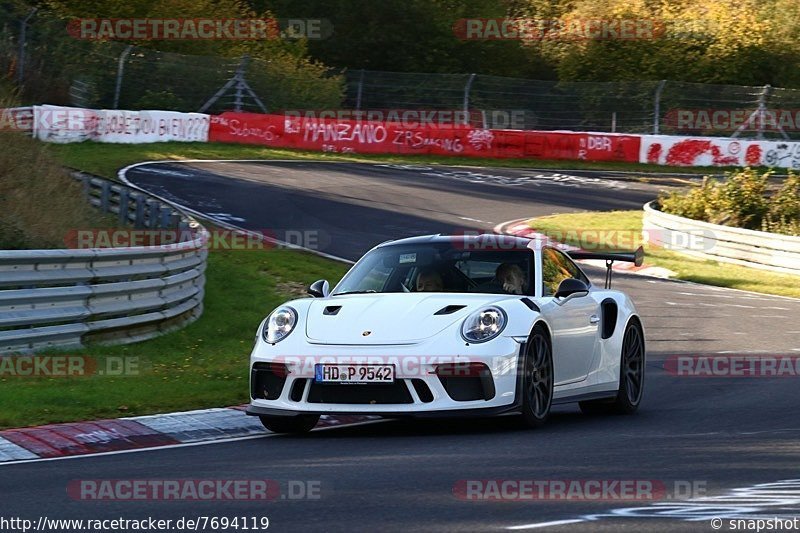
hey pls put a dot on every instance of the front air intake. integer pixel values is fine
(267, 380)
(464, 382)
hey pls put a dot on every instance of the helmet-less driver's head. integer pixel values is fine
(429, 280)
(511, 277)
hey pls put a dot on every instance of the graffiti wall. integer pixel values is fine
(329, 135)
(719, 152)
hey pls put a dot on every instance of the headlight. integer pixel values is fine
(484, 325)
(279, 324)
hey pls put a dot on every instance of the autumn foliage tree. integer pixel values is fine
(744, 42)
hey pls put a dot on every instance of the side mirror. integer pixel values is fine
(571, 286)
(319, 289)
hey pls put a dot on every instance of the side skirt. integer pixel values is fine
(602, 395)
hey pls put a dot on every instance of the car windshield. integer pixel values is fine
(440, 267)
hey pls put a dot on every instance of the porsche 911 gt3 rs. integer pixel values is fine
(451, 326)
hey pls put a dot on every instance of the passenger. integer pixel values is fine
(429, 280)
(511, 277)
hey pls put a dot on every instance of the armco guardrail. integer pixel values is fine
(757, 249)
(72, 297)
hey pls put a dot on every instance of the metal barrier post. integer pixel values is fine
(657, 106)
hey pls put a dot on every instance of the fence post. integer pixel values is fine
(152, 214)
(138, 221)
(762, 110)
(120, 69)
(240, 85)
(359, 90)
(105, 196)
(467, 88)
(123, 206)
(760, 115)
(166, 214)
(237, 98)
(23, 27)
(657, 106)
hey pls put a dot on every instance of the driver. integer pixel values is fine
(511, 277)
(429, 280)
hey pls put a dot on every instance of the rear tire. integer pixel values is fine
(290, 424)
(631, 378)
(537, 379)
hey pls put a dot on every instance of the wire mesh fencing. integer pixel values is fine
(38, 55)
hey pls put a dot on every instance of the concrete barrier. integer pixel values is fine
(756, 249)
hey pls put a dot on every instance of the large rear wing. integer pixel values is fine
(636, 257)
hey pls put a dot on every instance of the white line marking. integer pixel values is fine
(547, 524)
(121, 175)
(476, 220)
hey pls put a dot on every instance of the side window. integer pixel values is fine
(556, 267)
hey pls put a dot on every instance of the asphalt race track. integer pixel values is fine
(713, 434)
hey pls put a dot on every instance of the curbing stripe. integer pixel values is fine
(81, 438)
(57, 441)
(13, 452)
(204, 424)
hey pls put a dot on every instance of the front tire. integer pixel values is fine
(290, 424)
(537, 381)
(631, 376)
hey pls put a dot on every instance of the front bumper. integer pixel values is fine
(284, 385)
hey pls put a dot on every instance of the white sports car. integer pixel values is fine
(450, 326)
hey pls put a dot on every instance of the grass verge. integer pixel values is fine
(25, 197)
(108, 159)
(686, 268)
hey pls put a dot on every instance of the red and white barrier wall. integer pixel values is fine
(331, 135)
(69, 124)
(718, 152)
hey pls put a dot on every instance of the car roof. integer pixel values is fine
(468, 238)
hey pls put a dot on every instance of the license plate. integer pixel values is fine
(353, 374)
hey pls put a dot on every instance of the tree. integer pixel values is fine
(710, 41)
(411, 36)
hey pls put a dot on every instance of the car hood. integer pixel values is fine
(397, 318)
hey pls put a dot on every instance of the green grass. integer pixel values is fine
(686, 268)
(203, 365)
(106, 160)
